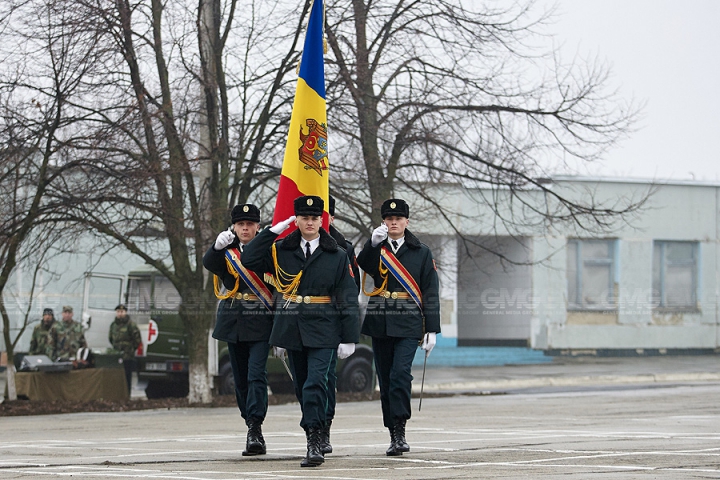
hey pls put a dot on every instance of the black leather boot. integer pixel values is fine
(325, 446)
(255, 444)
(314, 454)
(392, 451)
(400, 442)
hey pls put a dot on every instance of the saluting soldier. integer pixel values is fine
(65, 337)
(124, 336)
(244, 320)
(346, 245)
(39, 340)
(316, 308)
(403, 311)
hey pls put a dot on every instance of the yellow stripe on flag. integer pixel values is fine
(306, 160)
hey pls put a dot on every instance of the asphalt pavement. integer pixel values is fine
(659, 419)
(627, 418)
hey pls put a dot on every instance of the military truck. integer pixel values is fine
(153, 303)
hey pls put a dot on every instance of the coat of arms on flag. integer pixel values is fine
(313, 152)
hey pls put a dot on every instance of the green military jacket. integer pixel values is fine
(124, 337)
(238, 320)
(326, 273)
(64, 339)
(388, 317)
(40, 339)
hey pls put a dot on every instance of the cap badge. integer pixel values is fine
(246, 209)
(392, 205)
(309, 201)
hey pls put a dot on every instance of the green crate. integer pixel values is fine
(108, 360)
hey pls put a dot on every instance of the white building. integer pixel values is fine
(650, 284)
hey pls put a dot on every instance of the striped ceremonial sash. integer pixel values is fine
(251, 278)
(401, 274)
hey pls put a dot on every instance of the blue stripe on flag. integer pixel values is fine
(312, 65)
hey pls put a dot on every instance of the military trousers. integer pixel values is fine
(249, 366)
(310, 367)
(393, 362)
(130, 366)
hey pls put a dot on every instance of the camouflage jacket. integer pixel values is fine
(64, 339)
(124, 337)
(40, 339)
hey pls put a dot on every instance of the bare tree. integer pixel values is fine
(424, 92)
(45, 55)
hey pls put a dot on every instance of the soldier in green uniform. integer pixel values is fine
(403, 311)
(244, 320)
(124, 337)
(39, 341)
(65, 337)
(316, 308)
(346, 245)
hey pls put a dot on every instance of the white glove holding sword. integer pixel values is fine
(428, 342)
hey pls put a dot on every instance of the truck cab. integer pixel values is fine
(153, 304)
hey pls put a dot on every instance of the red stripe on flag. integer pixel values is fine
(284, 208)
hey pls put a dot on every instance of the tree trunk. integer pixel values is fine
(200, 384)
(9, 346)
(11, 387)
(197, 313)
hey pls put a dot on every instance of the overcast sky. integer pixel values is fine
(666, 52)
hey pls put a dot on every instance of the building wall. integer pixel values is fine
(680, 212)
(494, 291)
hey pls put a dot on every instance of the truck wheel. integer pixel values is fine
(227, 381)
(356, 376)
(160, 389)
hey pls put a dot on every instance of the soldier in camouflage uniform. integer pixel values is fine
(65, 337)
(124, 337)
(39, 341)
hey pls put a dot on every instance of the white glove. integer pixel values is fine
(345, 350)
(224, 239)
(379, 234)
(428, 342)
(280, 227)
(278, 352)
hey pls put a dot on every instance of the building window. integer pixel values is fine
(675, 275)
(591, 274)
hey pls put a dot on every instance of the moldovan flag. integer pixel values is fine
(305, 165)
